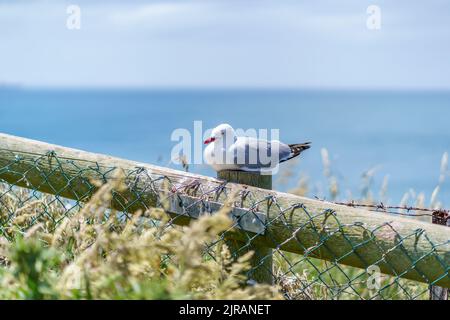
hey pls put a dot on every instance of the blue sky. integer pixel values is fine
(277, 44)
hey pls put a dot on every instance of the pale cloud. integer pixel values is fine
(154, 12)
(246, 22)
(225, 43)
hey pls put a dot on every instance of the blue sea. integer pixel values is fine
(402, 135)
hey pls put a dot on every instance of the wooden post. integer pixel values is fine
(439, 293)
(262, 260)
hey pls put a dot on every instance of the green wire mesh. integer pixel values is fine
(54, 192)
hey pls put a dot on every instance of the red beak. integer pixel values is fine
(209, 140)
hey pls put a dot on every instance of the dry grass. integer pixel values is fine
(96, 255)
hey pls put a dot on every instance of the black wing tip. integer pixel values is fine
(297, 149)
(300, 146)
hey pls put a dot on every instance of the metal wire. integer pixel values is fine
(299, 276)
(411, 211)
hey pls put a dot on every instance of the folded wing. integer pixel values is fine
(252, 154)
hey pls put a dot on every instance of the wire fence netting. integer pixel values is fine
(316, 257)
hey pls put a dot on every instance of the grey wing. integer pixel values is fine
(253, 154)
(285, 151)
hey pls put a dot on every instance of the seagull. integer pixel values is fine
(226, 151)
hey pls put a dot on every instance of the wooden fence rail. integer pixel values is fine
(398, 245)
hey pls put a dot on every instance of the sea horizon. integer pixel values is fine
(362, 129)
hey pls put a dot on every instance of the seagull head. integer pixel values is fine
(222, 133)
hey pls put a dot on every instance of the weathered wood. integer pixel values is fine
(439, 293)
(247, 178)
(350, 236)
(262, 259)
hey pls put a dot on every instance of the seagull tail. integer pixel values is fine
(297, 149)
